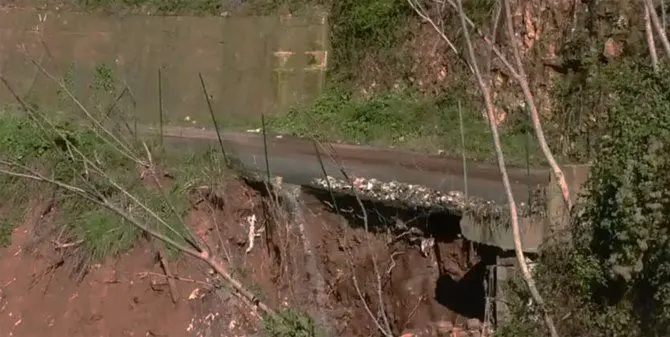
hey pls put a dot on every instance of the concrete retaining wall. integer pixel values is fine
(252, 65)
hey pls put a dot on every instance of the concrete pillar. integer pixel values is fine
(557, 216)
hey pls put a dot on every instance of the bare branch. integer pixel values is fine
(657, 24)
(203, 255)
(424, 15)
(94, 196)
(650, 38)
(386, 328)
(117, 144)
(534, 115)
(520, 76)
(514, 218)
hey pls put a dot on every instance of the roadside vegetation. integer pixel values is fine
(25, 143)
(106, 190)
(610, 279)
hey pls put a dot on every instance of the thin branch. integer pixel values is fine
(89, 163)
(535, 117)
(423, 14)
(519, 76)
(494, 36)
(657, 24)
(514, 217)
(649, 33)
(203, 255)
(154, 175)
(96, 197)
(386, 330)
(216, 125)
(168, 274)
(117, 144)
(104, 202)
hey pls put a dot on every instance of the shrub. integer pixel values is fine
(614, 278)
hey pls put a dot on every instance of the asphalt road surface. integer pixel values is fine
(295, 160)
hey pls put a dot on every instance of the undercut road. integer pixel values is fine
(295, 160)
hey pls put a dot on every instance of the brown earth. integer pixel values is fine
(308, 264)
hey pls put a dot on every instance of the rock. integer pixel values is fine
(459, 332)
(444, 328)
(473, 324)
(612, 49)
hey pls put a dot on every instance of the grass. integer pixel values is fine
(101, 232)
(408, 121)
(291, 323)
(104, 233)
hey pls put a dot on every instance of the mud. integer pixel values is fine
(304, 256)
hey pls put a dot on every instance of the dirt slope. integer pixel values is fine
(307, 263)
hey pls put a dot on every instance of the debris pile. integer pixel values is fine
(418, 196)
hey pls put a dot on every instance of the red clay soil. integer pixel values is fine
(128, 295)
(123, 296)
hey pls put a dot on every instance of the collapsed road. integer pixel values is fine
(419, 181)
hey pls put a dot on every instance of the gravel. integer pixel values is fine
(418, 196)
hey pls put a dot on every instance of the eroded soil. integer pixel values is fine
(315, 263)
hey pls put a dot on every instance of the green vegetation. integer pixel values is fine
(62, 153)
(102, 232)
(367, 28)
(290, 323)
(613, 279)
(64, 150)
(409, 121)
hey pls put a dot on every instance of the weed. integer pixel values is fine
(613, 279)
(18, 140)
(361, 28)
(6, 228)
(290, 323)
(405, 120)
(102, 232)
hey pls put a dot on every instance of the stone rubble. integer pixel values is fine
(418, 196)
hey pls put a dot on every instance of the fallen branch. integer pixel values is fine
(59, 245)
(170, 279)
(144, 274)
(91, 194)
(212, 261)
